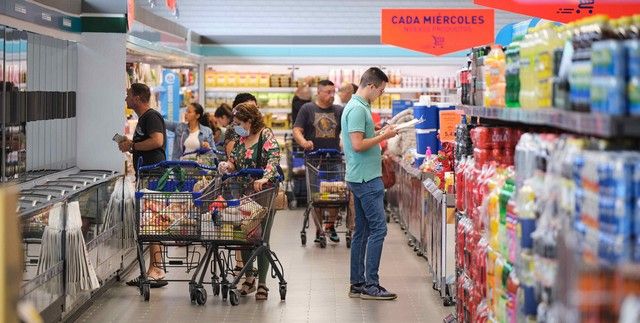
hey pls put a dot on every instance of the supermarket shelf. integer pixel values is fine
(389, 90)
(253, 89)
(594, 124)
(396, 90)
(275, 110)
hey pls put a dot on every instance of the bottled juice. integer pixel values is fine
(494, 71)
(544, 65)
(512, 75)
(527, 97)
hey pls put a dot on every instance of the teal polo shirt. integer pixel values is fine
(361, 166)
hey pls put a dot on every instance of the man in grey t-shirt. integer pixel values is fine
(317, 126)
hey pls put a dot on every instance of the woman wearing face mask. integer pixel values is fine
(192, 134)
(248, 124)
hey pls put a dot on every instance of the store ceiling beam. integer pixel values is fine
(292, 40)
(299, 17)
(104, 6)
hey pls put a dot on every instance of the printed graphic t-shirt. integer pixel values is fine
(321, 126)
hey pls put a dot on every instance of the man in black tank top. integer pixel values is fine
(148, 148)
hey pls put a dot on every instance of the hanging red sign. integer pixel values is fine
(565, 10)
(437, 31)
(172, 5)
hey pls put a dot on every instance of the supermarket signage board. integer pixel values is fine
(437, 31)
(449, 120)
(565, 10)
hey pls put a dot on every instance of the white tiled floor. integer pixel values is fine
(318, 281)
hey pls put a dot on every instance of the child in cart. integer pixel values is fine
(317, 126)
(256, 147)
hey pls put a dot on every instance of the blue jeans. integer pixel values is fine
(369, 233)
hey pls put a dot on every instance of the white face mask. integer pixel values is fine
(242, 132)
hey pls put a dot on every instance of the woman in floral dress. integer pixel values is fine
(248, 124)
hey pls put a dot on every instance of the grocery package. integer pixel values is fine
(331, 191)
(173, 218)
(231, 219)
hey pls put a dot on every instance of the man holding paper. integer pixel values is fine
(364, 176)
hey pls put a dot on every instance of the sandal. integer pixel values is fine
(153, 282)
(248, 288)
(263, 293)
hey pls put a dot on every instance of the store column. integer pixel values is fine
(101, 84)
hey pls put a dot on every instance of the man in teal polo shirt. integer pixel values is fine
(364, 176)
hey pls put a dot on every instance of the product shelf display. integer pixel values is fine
(274, 86)
(38, 88)
(590, 65)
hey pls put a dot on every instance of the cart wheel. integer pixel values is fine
(283, 292)
(303, 238)
(233, 297)
(146, 291)
(323, 242)
(192, 294)
(348, 242)
(201, 296)
(216, 288)
(225, 292)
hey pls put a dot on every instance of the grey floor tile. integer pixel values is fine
(318, 283)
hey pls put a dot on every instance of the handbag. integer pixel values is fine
(388, 173)
(281, 202)
(259, 157)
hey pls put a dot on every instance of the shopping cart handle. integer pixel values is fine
(202, 151)
(175, 163)
(330, 152)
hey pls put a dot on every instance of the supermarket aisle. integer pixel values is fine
(318, 283)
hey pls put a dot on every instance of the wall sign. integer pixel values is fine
(437, 31)
(565, 10)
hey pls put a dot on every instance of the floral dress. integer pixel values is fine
(247, 157)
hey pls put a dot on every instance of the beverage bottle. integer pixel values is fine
(494, 73)
(544, 65)
(512, 75)
(526, 73)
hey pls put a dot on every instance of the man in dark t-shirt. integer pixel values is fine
(318, 127)
(148, 143)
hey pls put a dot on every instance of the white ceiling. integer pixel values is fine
(297, 17)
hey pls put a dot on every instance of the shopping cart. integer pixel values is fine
(327, 190)
(295, 185)
(232, 217)
(167, 212)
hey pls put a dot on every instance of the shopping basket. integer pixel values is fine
(326, 189)
(232, 216)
